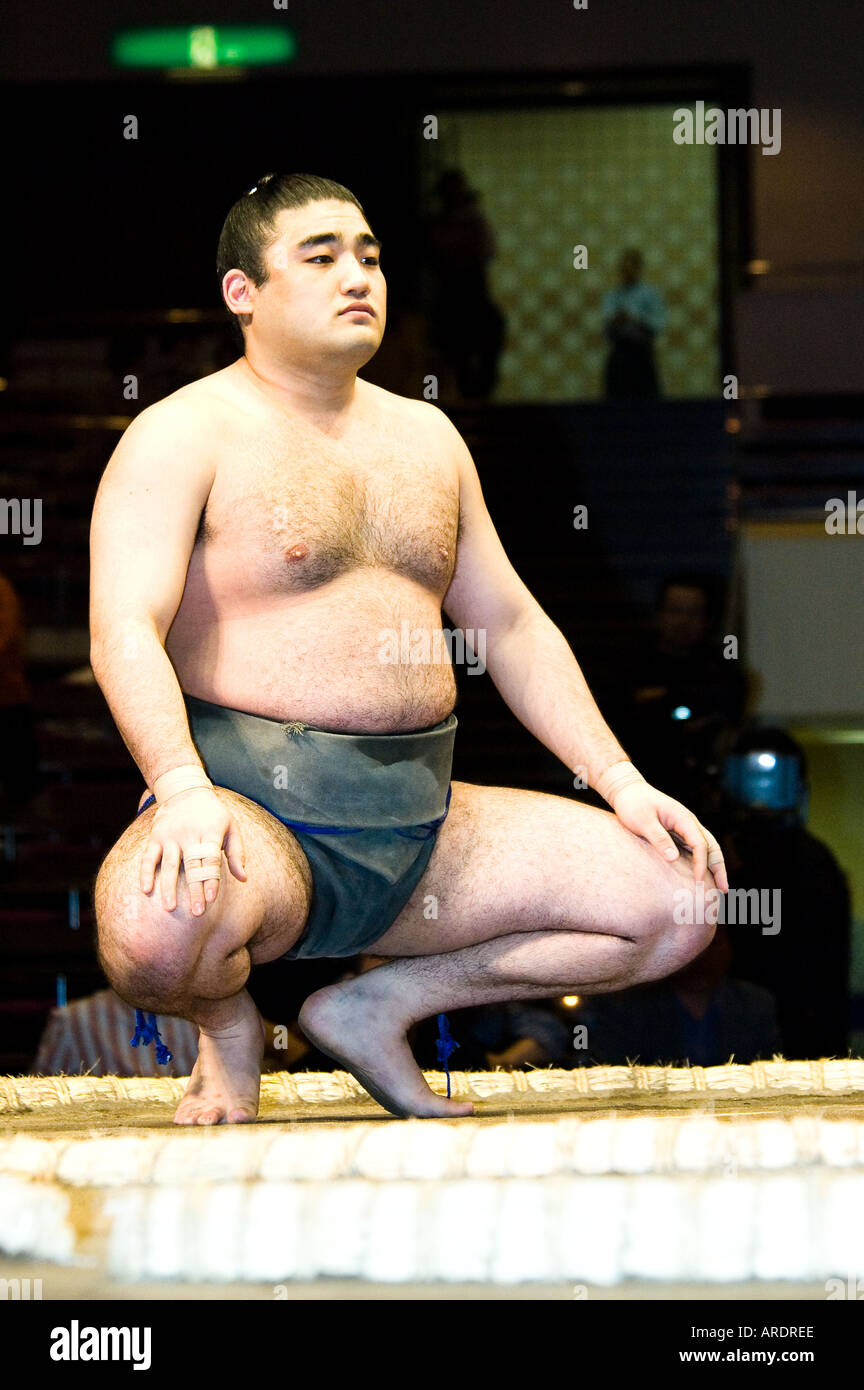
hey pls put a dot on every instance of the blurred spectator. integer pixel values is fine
(698, 1017)
(19, 759)
(768, 847)
(91, 1036)
(511, 1036)
(466, 325)
(633, 315)
(685, 700)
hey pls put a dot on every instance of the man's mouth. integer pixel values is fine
(359, 309)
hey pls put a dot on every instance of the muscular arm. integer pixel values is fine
(143, 530)
(538, 676)
(527, 656)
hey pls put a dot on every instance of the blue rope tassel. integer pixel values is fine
(146, 1027)
(147, 1031)
(445, 1045)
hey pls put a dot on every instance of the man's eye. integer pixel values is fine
(370, 260)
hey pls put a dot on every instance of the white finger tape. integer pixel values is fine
(205, 850)
(202, 872)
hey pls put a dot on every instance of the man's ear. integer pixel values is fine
(238, 292)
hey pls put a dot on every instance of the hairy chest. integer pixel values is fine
(295, 515)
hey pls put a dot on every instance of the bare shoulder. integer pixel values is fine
(194, 404)
(173, 440)
(189, 421)
(413, 414)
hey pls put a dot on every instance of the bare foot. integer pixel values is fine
(350, 1022)
(225, 1081)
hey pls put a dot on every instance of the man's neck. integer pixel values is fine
(318, 394)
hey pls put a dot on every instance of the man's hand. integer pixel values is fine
(657, 817)
(188, 820)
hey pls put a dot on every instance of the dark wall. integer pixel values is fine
(808, 223)
(133, 223)
(803, 57)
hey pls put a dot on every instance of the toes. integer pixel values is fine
(240, 1117)
(210, 1117)
(216, 1115)
(451, 1110)
(184, 1116)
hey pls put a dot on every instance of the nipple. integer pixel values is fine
(297, 552)
(444, 552)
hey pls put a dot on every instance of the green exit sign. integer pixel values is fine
(204, 46)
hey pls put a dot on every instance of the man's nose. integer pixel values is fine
(356, 276)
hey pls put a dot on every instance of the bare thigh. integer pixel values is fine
(508, 860)
(265, 915)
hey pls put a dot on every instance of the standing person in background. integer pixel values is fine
(467, 327)
(633, 315)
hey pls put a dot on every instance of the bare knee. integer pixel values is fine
(133, 945)
(154, 958)
(168, 955)
(680, 919)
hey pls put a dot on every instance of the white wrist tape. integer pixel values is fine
(180, 779)
(616, 778)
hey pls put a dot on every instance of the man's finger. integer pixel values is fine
(235, 852)
(196, 890)
(194, 871)
(716, 862)
(150, 858)
(656, 834)
(202, 865)
(168, 872)
(690, 831)
(211, 888)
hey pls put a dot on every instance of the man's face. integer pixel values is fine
(323, 263)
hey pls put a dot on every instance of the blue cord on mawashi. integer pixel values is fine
(147, 1031)
(445, 1045)
(146, 1027)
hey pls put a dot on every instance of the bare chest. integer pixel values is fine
(291, 513)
